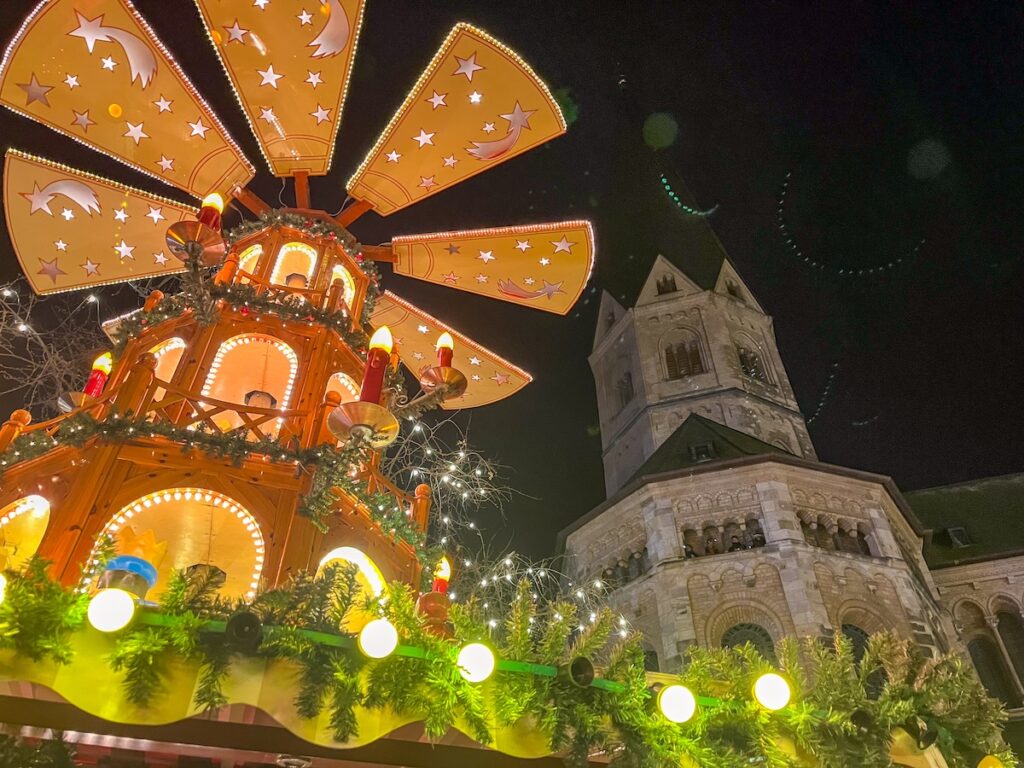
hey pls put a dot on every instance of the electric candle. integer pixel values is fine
(377, 358)
(210, 213)
(442, 575)
(445, 350)
(98, 377)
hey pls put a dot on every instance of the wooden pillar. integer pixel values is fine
(132, 395)
(13, 427)
(420, 507)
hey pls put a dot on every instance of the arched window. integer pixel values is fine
(810, 533)
(1011, 632)
(993, 673)
(22, 525)
(751, 365)
(683, 356)
(192, 526)
(168, 354)
(344, 385)
(666, 284)
(651, 663)
(858, 640)
(733, 290)
(294, 258)
(342, 275)
(755, 634)
(248, 261)
(624, 390)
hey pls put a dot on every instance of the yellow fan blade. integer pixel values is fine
(476, 105)
(290, 67)
(544, 266)
(73, 230)
(491, 377)
(96, 72)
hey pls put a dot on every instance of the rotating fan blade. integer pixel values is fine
(491, 378)
(290, 71)
(96, 72)
(544, 266)
(73, 230)
(476, 105)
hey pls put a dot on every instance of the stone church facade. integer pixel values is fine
(722, 526)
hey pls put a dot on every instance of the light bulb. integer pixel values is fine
(378, 639)
(677, 703)
(111, 610)
(772, 691)
(3, 587)
(476, 662)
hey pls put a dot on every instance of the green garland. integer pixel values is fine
(842, 715)
(49, 753)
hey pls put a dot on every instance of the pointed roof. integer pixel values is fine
(608, 314)
(662, 268)
(694, 247)
(725, 443)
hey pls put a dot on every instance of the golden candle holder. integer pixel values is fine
(370, 422)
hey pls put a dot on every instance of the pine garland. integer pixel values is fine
(37, 614)
(49, 753)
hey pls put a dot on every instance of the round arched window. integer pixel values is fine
(755, 634)
(858, 640)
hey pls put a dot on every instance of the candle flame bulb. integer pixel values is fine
(445, 349)
(382, 339)
(101, 368)
(210, 213)
(442, 575)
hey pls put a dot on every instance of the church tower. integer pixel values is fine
(696, 342)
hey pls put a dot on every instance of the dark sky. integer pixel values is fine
(836, 94)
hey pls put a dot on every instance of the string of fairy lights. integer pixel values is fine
(674, 197)
(844, 271)
(825, 393)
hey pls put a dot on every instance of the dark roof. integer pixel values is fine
(990, 510)
(726, 443)
(691, 244)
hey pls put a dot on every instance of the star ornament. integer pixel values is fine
(36, 91)
(50, 269)
(467, 67)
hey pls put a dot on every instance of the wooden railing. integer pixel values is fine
(330, 299)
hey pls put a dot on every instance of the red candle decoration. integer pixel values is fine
(98, 377)
(377, 358)
(445, 350)
(210, 213)
(442, 575)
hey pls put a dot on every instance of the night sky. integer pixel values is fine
(896, 122)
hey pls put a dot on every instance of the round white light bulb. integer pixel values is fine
(677, 703)
(476, 662)
(378, 639)
(772, 691)
(111, 610)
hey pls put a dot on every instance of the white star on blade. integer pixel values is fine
(518, 118)
(267, 114)
(159, 258)
(563, 245)
(124, 251)
(476, 377)
(108, 63)
(474, 360)
(529, 281)
(424, 138)
(418, 355)
(156, 214)
(488, 128)
(467, 67)
(545, 262)
(167, 163)
(163, 105)
(393, 156)
(522, 245)
(305, 17)
(422, 328)
(438, 99)
(198, 129)
(135, 133)
(236, 33)
(314, 79)
(427, 182)
(270, 77)
(481, 278)
(486, 256)
(261, 4)
(322, 115)
(450, 161)
(474, 97)
(82, 120)
(40, 200)
(61, 245)
(90, 267)
(121, 215)
(68, 214)
(72, 81)
(90, 30)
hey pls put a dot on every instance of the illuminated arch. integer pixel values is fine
(294, 257)
(344, 385)
(249, 260)
(22, 525)
(168, 354)
(199, 526)
(368, 578)
(252, 361)
(340, 273)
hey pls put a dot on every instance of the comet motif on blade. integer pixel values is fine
(509, 288)
(335, 35)
(140, 58)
